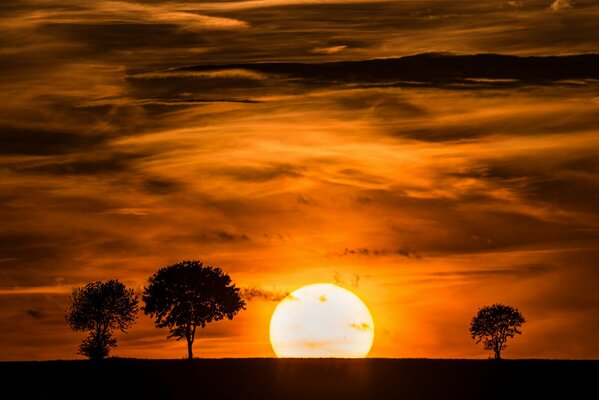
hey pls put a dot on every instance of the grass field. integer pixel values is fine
(300, 379)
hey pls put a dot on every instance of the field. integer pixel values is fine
(299, 379)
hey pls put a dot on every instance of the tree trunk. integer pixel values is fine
(498, 354)
(189, 349)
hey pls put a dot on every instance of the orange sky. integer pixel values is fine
(427, 201)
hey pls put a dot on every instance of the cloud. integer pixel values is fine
(162, 186)
(306, 200)
(407, 251)
(262, 173)
(354, 281)
(140, 212)
(23, 246)
(110, 150)
(362, 326)
(131, 12)
(559, 181)
(258, 293)
(437, 68)
(329, 50)
(230, 237)
(223, 74)
(363, 251)
(518, 271)
(252, 4)
(82, 165)
(559, 5)
(517, 4)
(35, 314)
(212, 237)
(187, 102)
(39, 141)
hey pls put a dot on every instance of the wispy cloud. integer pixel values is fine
(259, 293)
(442, 189)
(216, 74)
(128, 12)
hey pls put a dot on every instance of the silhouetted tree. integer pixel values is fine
(100, 308)
(494, 325)
(187, 295)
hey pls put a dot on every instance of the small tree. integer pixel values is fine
(187, 295)
(493, 325)
(100, 308)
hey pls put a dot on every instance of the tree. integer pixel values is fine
(100, 308)
(494, 325)
(186, 295)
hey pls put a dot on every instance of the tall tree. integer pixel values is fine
(186, 295)
(100, 308)
(494, 325)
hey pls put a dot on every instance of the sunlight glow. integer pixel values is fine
(321, 320)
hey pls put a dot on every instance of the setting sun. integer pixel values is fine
(321, 320)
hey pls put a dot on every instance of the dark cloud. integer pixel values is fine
(409, 252)
(102, 38)
(27, 248)
(34, 141)
(360, 176)
(567, 182)
(224, 237)
(161, 186)
(261, 174)
(258, 293)
(405, 251)
(457, 226)
(306, 200)
(432, 67)
(35, 314)
(363, 251)
(89, 165)
(28, 253)
(230, 237)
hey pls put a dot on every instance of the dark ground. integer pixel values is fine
(300, 379)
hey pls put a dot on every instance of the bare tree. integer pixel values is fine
(494, 325)
(186, 295)
(101, 308)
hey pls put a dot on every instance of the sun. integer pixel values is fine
(321, 320)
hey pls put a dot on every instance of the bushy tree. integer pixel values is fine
(186, 295)
(494, 325)
(100, 308)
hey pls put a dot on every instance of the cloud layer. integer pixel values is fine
(427, 199)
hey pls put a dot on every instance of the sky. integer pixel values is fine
(428, 201)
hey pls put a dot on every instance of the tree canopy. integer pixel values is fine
(186, 295)
(100, 308)
(494, 325)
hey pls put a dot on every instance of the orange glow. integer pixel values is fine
(426, 198)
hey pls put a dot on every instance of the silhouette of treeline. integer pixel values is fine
(430, 67)
(188, 295)
(180, 297)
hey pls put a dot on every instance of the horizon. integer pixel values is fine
(136, 134)
(299, 359)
